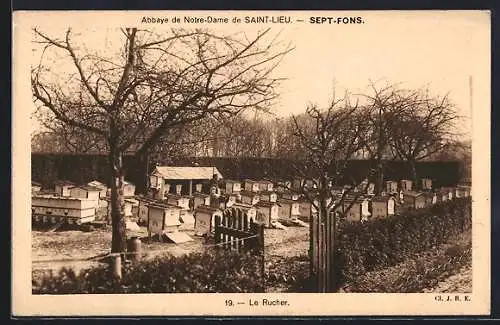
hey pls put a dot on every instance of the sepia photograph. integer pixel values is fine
(280, 162)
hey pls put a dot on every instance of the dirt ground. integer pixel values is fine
(60, 246)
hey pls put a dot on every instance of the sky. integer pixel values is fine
(439, 50)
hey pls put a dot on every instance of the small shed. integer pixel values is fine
(283, 186)
(85, 192)
(101, 186)
(370, 189)
(414, 200)
(35, 187)
(130, 206)
(426, 184)
(247, 209)
(248, 197)
(288, 209)
(265, 185)
(267, 213)
(268, 196)
(406, 185)
(204, 217)
(185, 176)
(143, 206)
(163, 218)
(231, 199)
(232, 186)
(178, 200)
(450, 192)
(430, 198)
(391, 187)
(352, 209)
(297, 183)
(251, 185)
(200, 199)
(305, 208)
(290, 196)
(50, 208)
(382, 206)
(62, 187)
(128, 189)
(465, 190)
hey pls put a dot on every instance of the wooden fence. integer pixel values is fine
(235, 231)
(323, 253)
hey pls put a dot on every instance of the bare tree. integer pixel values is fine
(329, 138)
(384, 106)
(425, 126)
(155, 82)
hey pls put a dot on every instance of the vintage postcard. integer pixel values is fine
(235, 163)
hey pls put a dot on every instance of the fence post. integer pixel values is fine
(116, 264)
(217, 229)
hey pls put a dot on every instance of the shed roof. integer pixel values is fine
(412, 193)
(164, 206)
(33, 183)
(88, 188)
(241, 205)
(178, 173)
(285, 201)
(267, 204)
(249, 193)
(98, 184)
(206, 208)
(382, 198)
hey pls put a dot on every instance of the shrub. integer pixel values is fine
(365, 247)
(414, 275)
(207, 272)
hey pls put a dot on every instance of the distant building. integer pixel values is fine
(465, 190)
(288, 209)
(268, 196)
(163, 218)
(251, 185)
(128, 189)
(50, 208)
(391, 187)
(101, 186)
(35, 187)
(426, 184)
(265, 186)
(246, 209)
(414, 200)
(85, 192)
(205, 220)
(290, 196)
(184, 176)
(352, 209)
(143, 207)
(250, 198)
(382, 206)
(62, 187)
(232, 186)
(283, 186)
(406, 185)
(178, 200)
(267, 213)
(200, 199)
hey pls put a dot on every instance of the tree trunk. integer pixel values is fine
(414, 178)
(142, 181)
(379, 183)
(118, 241)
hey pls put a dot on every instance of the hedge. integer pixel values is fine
(208, 272)
(381, 243)
(422, 272)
